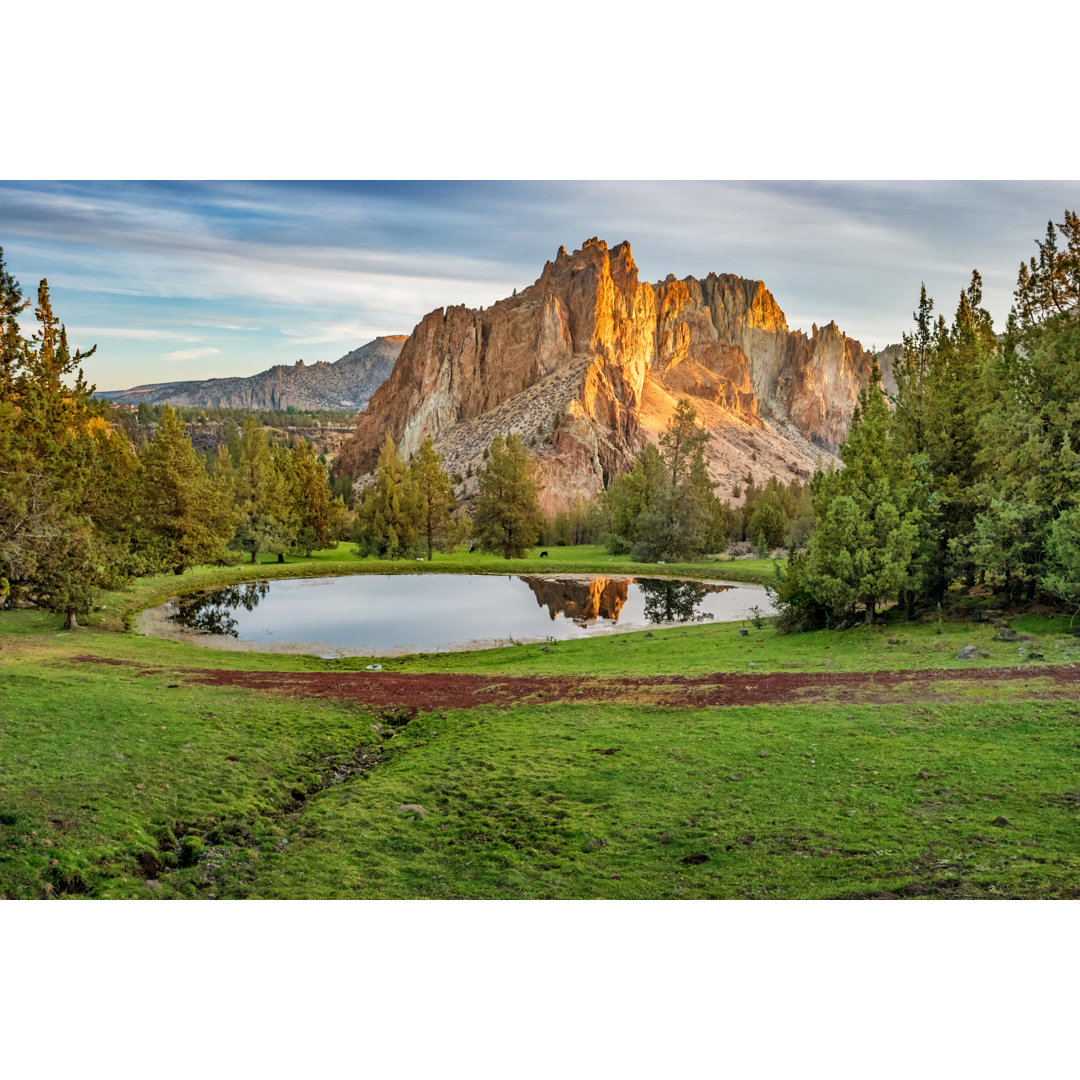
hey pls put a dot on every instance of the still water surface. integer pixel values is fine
(376, 613)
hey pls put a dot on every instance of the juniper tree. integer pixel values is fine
(186, 515)
(1030, 429)
(387, 518)
(311, 497)
(261, 494)
(867, 522)
(507, 517)
(435, 498)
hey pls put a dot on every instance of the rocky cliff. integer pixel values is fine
(589, 362)
(347, 383)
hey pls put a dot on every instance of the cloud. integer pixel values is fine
(131, 333)
(190, 354)
(335, 264)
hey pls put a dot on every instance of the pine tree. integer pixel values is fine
(65, 476)
(507, 517)
(678, 526)
(682, 442)
(388, 517)
(311, 496)
(632, 494)
(188, 518)
(867, 529)
(261, 494)
(941, 393)
(1030, 425)
(290, 511)
(436, 497)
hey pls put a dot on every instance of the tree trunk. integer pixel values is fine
(870, 612)
(281, 556)
(69, 621)
(254, 556)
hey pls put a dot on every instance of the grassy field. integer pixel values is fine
(125, 778)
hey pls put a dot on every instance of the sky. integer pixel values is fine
(191, 280)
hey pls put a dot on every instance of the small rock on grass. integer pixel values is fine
(412, 808)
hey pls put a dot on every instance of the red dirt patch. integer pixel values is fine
(457, 691)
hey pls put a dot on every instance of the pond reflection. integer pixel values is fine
(586, 600)
(677, 601)
(211, 612)
(582, 601)
(375, 613)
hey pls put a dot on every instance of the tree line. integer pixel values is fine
(970, 475)
(410, 509)
(82, 509)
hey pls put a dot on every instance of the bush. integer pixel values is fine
(796, 608)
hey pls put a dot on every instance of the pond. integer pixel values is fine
(387, 614)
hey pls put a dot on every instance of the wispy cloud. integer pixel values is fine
(328, 266)
(128, 333)
(190, 354)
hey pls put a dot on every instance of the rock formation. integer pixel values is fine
(588, 363)
(582, 600)
(347, 383)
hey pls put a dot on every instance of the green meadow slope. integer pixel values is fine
(125, 771)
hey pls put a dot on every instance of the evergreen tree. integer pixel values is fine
(868, 523)
(187, 516)
(65, 476)
(1030, 426)
(632, 494)
(435, 491)
(678, 526)
(289, 513)
(940, 396)
(311, 495)
(507, 517)
(388, 517)
(261, 495)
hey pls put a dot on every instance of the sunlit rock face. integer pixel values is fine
(588, 363)
(582, 601)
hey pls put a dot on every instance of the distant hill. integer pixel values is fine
(347, 383)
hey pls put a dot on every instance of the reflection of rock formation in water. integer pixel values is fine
(582, 601)
(676, 601)
(209, 612)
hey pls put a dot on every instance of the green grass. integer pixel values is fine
(739, 803)
(107, 770)
(113, 775)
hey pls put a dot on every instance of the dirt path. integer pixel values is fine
(443, 691)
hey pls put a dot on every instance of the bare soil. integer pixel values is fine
(382, 689)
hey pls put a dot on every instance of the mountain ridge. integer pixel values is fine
(347, 383)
